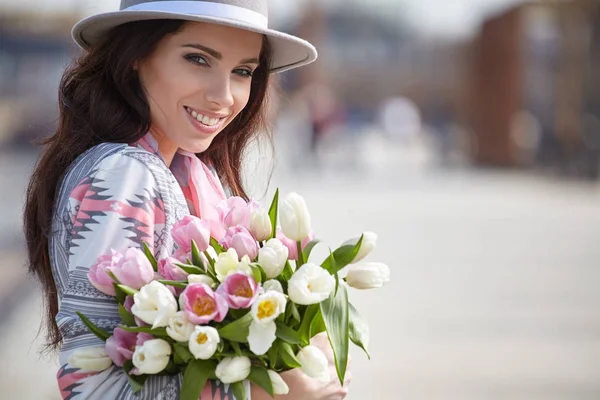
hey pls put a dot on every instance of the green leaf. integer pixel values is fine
(273, 213)
(359, 330)
(292, 313)
(191, 269)
(196, 259)
(257, 272)
(126, 316)
(216, 245)
(195, 377)
(260, 377)
(309, 247)
(183, 352)
(150, 256)
(273, 353)
(335, 315)
(210, 268)
(344, 255)
(317, 325)
(329, 264)
(237, 330)
(101, 333)
(305, 331)
(119, 294)
(137, 382)
(287, 334)
(239, 391)
(177, 284)
(288, 357)
(287, 271)
(128, 290)
(337, 283)
(158, 332)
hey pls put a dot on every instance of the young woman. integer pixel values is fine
(154, 115)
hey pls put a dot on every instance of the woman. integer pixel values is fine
(153, 116)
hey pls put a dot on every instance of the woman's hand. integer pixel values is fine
(303, 387)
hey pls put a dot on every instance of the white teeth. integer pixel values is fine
(203, 118)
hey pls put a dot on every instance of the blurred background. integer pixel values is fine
(466, 133)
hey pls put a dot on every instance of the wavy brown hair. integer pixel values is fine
(102, 100)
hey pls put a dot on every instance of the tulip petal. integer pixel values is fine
(261, 337)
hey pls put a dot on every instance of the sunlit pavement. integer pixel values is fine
(494, 293)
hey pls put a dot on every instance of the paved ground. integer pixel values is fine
(494, 293)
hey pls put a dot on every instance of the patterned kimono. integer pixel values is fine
(112, 197)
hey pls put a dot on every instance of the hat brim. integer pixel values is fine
(288, 51)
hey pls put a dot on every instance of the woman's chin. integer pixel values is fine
(199, 146)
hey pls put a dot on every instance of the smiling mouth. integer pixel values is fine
(204, 119)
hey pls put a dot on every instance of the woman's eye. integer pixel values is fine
(246, 73)
(196, 59)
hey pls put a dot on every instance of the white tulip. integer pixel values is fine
(310, 284)
(272, 257)
(294, 216)
(368, 275)
(90, 359)
(279, 385)
(265, 309)
(152, 356)
(268, 306)
(226, 264)
(273, 284)
(180, 328)
(233, 369)
(366, 246)
(260, 225)
(204, 341)
(314, 363)
(201, 278)
(154, 304)
(244, 266)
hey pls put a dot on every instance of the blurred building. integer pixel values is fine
(367, 59)
(534, 87)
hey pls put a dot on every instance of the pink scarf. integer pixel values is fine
(201, 188)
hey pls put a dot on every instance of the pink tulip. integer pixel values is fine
(239, 289)
(169, 271)
(291, 244)
(98, 272)
(241, 240)
(135, 270)
(120, 346)
(191, 228)
(202, 305)
(235, 211)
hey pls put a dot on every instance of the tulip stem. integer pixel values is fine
(300, 253)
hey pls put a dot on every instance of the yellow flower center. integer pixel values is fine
(243, 290)
(204, 306)
(202, 338)
(266, 308)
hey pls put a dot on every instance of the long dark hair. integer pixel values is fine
(102, 100)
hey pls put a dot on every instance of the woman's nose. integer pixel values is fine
(219, 93)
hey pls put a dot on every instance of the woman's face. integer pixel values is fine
(197, 81)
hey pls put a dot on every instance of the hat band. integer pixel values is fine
(205, 8)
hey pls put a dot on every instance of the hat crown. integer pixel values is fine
(259, 6)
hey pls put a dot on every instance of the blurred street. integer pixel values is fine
(494, 292)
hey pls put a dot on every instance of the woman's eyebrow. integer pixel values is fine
(218, 55)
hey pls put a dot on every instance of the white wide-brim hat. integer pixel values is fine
(251, 15)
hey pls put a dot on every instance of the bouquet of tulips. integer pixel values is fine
(239, 300)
